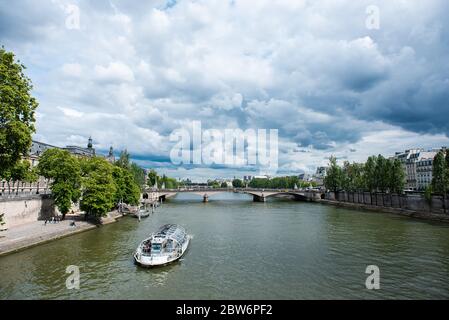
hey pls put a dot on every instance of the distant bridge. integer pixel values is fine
(259, 195)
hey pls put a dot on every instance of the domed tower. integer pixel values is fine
(90, 148)
(111, 157)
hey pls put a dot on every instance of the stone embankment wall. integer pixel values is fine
(22, 209)
(413, 202)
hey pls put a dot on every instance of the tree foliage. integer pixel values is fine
(353, 176)
(237, 183)
(213, 183)
(164, 181)
(370, 174)
(21, 171)
(287, 182)
(377, 174)
(99, 189)
(334, 176)
(127, 191)
(152, 177)
(382, 173)
(124, 160)
(440, 173)
(169, 183)
(396, 177)
(138, 175)
(64, 172)
(17, 108)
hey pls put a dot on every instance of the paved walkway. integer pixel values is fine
(30, 234)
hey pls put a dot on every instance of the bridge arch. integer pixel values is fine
(261, 196)
(297, 196)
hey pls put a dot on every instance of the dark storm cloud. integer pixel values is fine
(22, 21)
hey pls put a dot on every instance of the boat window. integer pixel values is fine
(156, 247)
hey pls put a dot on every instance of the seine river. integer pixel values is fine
(281, 249)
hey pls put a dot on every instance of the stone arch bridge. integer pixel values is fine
(259, 195)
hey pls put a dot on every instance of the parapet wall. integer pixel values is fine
(21, 210)
(413, 202)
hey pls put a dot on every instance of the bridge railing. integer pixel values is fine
(236, 190)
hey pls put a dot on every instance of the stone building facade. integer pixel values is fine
(417, 165)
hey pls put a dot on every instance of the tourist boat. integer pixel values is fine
(166, 245)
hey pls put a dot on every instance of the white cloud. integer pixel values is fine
(72, 70)
(114, 72)
(71, 113)
(135, 72)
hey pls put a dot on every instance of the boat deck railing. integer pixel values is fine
(162, 254)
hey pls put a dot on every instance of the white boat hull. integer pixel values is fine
(141, 215)
(159, 260)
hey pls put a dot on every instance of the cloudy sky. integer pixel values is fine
(320, 72)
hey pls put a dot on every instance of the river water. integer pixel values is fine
(281, 249)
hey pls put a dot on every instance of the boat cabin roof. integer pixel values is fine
(170, 231)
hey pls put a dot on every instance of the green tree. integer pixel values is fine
(447, 158)
(346, 178)
(64, 172)
(21, 171)
(152, 178)
(334, 176)
(258, 183)
(428, 196)
(370, 174)
(224, 185)
(447, 169)
(353, 176)
(17, 108)
(358, 176)
(99, 189)
(396, 181)
(213, 183)
(170, 183)
(127, 190)
(382, 173)
(124, 160)
(138, 174)
(237, 183)
(440, 176)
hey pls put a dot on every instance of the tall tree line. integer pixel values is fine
(17, 118)
(377, 174)
(440, 175)
(98, 185)
(162, 181)
(287, 182)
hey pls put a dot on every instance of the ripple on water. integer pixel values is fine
(243, 250)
